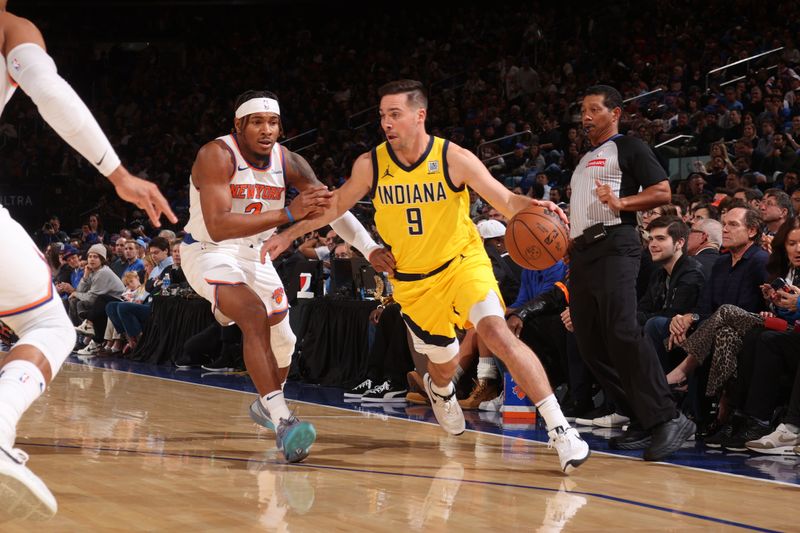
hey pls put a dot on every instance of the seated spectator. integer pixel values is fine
(704, 242)
(119, 263)
(674, 287)
(134, 293)
(752, 197)
(98, 286)
(132, 261)
(725, 330)
(704, 210)
(776, 208)
(159, 251)
(506, 271)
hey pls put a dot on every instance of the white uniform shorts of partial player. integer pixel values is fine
(208, 265)
(29, 303)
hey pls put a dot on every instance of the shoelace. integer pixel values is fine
(382, 387)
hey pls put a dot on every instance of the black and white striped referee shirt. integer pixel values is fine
(624, 162)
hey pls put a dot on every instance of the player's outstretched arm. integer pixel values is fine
(466, 168)
(344, 198)
(300, 174)
(62, 108)
(211, 175)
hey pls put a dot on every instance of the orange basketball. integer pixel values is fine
(536, 238)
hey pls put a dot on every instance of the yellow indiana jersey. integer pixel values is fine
(419, 213)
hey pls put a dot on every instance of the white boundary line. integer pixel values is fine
(364, 413)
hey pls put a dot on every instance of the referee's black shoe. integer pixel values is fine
(634, 438)
(668, 437)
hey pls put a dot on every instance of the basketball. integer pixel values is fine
(536, 238)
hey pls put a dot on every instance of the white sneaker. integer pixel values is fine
(22, 494)
(91, 349)
(614, 420)
(446, 409)
(781, 441)
(85, 328)
(492, 405)
(572, 449)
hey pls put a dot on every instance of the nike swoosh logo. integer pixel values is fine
(273, 396)
(240, 168)
(101, 159)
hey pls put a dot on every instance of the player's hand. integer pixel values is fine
(606, 195)
(567, 320)
(143, 194)
(515, 325)
(311, 202)
(274, 246)
(382, 260)
(554, 208)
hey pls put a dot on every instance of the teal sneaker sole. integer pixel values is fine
(296, 443)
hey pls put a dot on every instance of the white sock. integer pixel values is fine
(276, 406)
(551, 412)
(442, 391)
(21, 382)
(486, 368)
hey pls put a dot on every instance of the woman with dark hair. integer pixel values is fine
(96, 227)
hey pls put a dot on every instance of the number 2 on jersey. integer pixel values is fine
(254, 208)
(414, 218)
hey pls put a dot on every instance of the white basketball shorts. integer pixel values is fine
(26, 284)
(209, 265)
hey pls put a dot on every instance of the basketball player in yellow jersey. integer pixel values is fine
(442, 275)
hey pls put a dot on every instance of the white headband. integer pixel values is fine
(258, 105)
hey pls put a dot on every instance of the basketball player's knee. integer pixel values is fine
(436, 354)
(282, 342)
(52, 334)
(489, 306)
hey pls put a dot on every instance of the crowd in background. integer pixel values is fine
(506, 84)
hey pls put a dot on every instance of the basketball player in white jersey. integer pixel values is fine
(237, 199)
(29, 303)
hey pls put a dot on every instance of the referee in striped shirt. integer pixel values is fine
(616, 178)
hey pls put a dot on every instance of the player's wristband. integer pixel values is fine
(289, 214)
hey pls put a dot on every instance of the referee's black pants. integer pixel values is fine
(603, 311)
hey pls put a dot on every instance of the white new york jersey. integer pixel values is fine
(253, 190)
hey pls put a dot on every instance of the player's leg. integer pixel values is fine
(442, 354)
(528, 372)
(282, 341)
(32, 309)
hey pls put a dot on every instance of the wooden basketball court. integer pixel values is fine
(128, 452)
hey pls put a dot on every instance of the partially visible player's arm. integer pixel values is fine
(344, 198)
(211, 175)
(347, 226)
(465, 168)
(29, 65)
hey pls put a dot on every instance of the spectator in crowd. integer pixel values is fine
(704, 242)
(132, 261)
(119, 263)
(98, 286)
(128, 323)
(752, 197)
(776, 208)
(674, 287)
(134, 292)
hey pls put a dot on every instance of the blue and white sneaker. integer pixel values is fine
(259, 414)
(294, 438)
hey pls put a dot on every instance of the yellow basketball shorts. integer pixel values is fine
(433, 307)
